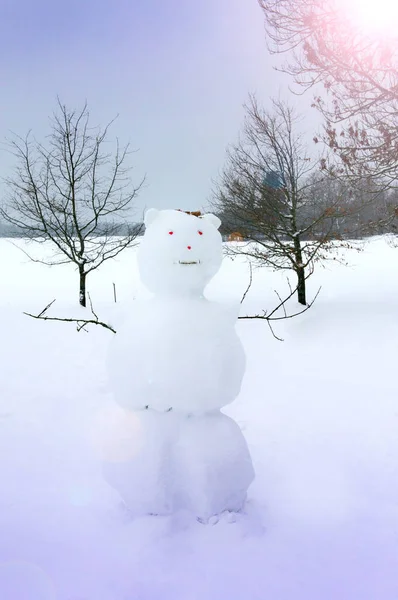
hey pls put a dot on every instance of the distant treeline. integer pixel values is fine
(356, 212)
(107, 229)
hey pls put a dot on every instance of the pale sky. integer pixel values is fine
(176, 72)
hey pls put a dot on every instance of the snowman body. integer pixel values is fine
(185, 360)
(175, 362)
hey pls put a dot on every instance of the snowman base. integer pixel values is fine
(198, 463)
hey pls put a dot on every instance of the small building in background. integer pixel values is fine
(235, 237)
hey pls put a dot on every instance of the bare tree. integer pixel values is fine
(264, 194)
(72, 192)
(359, 71)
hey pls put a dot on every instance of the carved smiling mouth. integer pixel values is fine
(189, 262)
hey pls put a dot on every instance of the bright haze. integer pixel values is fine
(177, 73)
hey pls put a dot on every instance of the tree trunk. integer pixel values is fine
(301, 286)
(82, 287)
(300, 272)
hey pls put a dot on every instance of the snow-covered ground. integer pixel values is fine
(319, 412)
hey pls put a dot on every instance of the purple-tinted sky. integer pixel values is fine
(176, 72)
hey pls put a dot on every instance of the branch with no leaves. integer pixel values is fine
(81, 323)
(250, 283)
(269, 317)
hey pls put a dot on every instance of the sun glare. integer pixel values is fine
(373, 16)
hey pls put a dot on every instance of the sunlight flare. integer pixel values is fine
(373, 17)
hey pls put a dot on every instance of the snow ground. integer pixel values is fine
(319, 412)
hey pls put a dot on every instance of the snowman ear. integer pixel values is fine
(215, 221)
(150, 216)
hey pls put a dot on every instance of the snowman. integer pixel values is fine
(174, 363)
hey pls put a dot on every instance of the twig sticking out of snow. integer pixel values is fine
(269, 317)
(81, 323)
(250, 283)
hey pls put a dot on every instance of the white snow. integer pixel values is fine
(319, 412)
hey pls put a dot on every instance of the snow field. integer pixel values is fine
(319, 412)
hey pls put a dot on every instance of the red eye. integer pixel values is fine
(171, 232)
(200, 232)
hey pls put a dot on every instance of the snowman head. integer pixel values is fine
(179, 252)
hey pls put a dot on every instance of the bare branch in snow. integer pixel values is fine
(81, 323)
(269, 317)
(250, 283)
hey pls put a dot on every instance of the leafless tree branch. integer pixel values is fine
(81, 323)
(269, 317)
(249, 284)
(353, 73)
